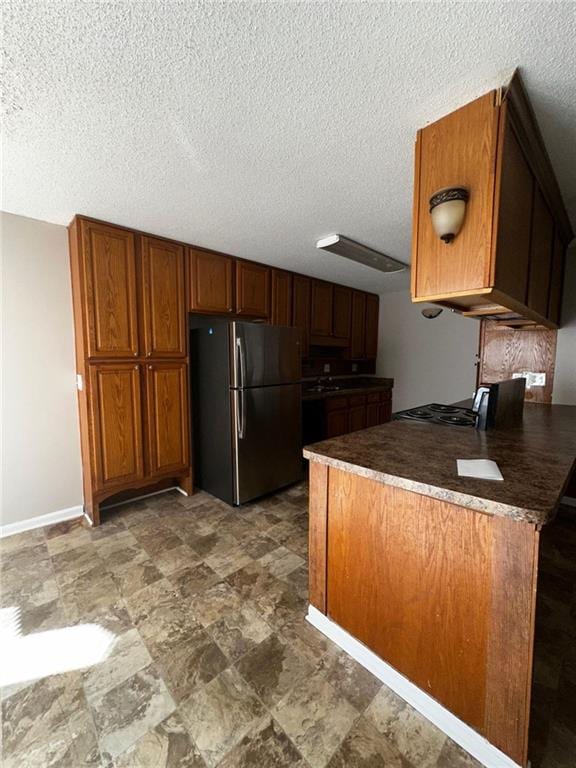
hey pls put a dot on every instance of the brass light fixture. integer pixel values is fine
(447, 210)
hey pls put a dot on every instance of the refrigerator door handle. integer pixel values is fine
(240, 413)
(242, 357)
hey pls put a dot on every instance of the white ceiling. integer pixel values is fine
(256, 128)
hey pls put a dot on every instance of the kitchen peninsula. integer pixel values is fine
(433, 577)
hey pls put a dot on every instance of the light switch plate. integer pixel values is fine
(326, 367)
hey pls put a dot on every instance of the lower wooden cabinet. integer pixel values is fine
(117, 429)
(167, 418)
(350, 413)
(337, 423)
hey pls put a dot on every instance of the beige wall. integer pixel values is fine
(565, 375)
(41, 470)
(430, 360)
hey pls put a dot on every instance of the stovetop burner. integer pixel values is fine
(438, 413)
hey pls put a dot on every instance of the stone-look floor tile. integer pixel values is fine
(280, 604)
(157, 539)
(316, 718)
(284, 531)
(162, 617)
(112, 524)
(176, 559)
(210, 543)
(127, 656)
(228, 561)
(239, 631)
(252, 580)
(298, 580)
(33, 538)
(53, 750)
(168, 745)
(259, 545)
(414, 736)
(130, 710)
(364, 747)
(90, 593)
(29, 589)
(561, 748)
(265, 746)
(214, 603)
(220, 714)
(453, 756)
(137, 575)
(24, 560)
(193, 579)
(72, 563)
(38, 618)
(78, 535)
(315, 646)
(118, 550)
(352, 681)
(273, 668)
(281, 562)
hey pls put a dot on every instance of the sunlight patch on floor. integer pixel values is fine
(41, 654)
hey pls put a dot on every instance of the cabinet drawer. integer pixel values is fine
(386, 395)
(355, 400)
(336, 403)
(373, 397)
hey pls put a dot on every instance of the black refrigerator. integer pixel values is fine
(246, 407)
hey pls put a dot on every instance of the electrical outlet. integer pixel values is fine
(533, 379)
(354, 367)
(326, 368)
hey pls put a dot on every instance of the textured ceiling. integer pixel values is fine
(256, 128)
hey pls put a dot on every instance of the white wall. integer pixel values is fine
(430, 360)
(565, 374)
(41, 468)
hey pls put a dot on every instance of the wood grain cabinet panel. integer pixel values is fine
(301, 310)
(322, 308)
(211, 282)
(371, 342)
(252, 289)
(337, 423)
(116, 421)
(556, 281)
(109, 270)
(357, 418)
(342, 312)
(281, 297)
(541, 255)
(372, 414)
(358, 334)
(515, 217)
(163, 298)
(167, 417)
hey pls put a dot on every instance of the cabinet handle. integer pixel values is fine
(150, 367)
(135, 367)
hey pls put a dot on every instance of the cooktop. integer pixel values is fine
(437, 413)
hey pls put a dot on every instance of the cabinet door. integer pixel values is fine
(211, 282)
(556, 281)
(167, 422)
(385, 412)
(301, 311)
(372, 414)
(357, 418)
(342, 312)
(358, 335)
(116, 420)
(322, 298)
(281, 297)
(252, 289)
(110, 281)
(337, 423)
(163, 298)
(541, 255)
(371, 343)
(514, 220)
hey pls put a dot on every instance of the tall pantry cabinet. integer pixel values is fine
(129, 296)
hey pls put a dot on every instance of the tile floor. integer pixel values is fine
(212, 662)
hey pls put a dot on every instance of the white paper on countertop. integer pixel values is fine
(484, 469)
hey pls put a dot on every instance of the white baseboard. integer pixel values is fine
(39, 522)
(442, 718)
(569, 501)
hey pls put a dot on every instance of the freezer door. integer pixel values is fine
(263, 355)
(267, 439)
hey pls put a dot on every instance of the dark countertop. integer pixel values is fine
(536, 461)
(348, 387)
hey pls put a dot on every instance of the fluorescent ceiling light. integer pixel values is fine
(360, 253)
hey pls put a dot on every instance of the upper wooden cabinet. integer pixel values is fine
(211, 282)
(504, 260)
(103, 261)
(163, 298)
(371, 340)
(252, 289)
(281, 297)
(116, 424)
(301, 304)
(342, 312)
(322, 308)
(167, 418)
(358, 333)
(557, 281)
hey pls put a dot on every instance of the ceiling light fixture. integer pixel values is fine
(431, 313)
(360, 253)
(447, 209)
